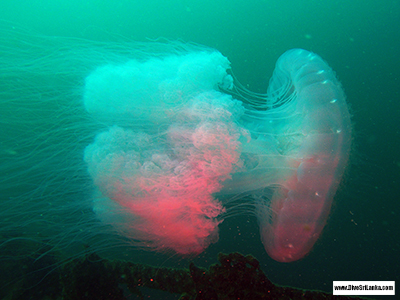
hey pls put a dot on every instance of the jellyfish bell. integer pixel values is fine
(301, 138)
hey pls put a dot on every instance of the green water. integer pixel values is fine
(359, 40)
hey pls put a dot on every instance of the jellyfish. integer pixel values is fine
(145, 145)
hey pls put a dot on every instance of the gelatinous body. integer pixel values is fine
(295, 144)
(302, 199)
